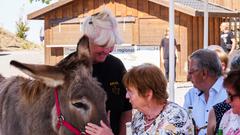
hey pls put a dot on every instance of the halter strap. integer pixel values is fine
(61, 121)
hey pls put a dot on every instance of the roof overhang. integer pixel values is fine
(195, 12)
(39, 14)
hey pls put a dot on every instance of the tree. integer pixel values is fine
(43, 1)
(22, 29)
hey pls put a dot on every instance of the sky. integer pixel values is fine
(12, 10)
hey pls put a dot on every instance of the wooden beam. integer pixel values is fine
(39, 14)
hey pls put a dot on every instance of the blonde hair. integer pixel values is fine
(223, 57)
(225, 26)
(101, 28)
(221, 54)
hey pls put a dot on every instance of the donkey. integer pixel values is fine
(56, 100)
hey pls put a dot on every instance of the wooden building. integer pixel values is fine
(231, 4)
(141, 22)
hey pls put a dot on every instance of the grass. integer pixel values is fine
(8, 41)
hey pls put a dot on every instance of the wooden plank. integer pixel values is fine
(154, 9)
(145, 7)
(59, 13)
(177, 37)
(88, 6)
(52, 58)
(236, 4)
(67, 11)
(80, 8)
(217, 31)
(46, 40)
(59, 54)
(136, 32)
(110, 5)
(186, 43)
(135, 8)
(183, 57)
(70, 10)
(129, 4)
(164, 13)
(189, 32)
(195, 34)
(151, 31)
(96, 6)
(126, 31)
(142, 8)
(37, 14)
(211, 31)
(67, 34)
(200, 31)
(123, 7)
(227, 4)
(75, 8)
(102, 4)
(131, 7)
(118, 8)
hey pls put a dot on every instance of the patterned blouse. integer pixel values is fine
(173, 120)
(230, 123)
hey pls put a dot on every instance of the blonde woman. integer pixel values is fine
(228, 41)
(101, 28)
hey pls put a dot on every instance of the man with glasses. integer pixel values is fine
(205, 73)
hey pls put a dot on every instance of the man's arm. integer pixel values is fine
(211, 122)
(233, 45)
(177, 57)
(161, 55)
(125, 117)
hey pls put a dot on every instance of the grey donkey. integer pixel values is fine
(56, 100)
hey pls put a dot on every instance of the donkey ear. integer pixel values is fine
(83, 50)
(50, 75)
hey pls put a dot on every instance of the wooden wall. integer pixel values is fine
(232, 4)
(151, 20)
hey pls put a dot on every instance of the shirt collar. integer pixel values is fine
(217, 86)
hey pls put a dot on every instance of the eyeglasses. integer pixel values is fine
(231, 97)
(193, 71)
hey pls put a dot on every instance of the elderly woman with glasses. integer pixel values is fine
(230, 123)
(218, 110)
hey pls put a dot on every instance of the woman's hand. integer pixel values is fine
(93, 129)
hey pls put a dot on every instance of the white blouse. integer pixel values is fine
(230, 123)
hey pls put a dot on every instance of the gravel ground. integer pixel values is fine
(37, 57)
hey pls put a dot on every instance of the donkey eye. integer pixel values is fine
(81, 105)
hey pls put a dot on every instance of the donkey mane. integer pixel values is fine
(32, 89)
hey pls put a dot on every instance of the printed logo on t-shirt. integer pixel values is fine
(115, 88)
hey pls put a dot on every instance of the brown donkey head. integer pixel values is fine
(81, 98)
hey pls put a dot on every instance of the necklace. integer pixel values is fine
(148, 124)
(147, 119)
(150, 121)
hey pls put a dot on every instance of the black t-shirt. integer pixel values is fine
(226, 42)
(165, 46)
(109, 74)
